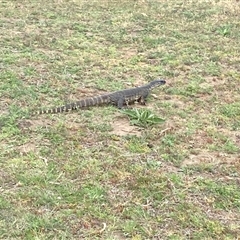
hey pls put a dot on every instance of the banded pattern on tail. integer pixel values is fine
(93, 101)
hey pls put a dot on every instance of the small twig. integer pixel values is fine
(164, 130)
(104, 227)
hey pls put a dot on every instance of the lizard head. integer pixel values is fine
(156, 83)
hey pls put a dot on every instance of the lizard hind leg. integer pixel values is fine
(142, 100)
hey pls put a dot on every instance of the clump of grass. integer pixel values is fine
(230, 110)
(142, 117)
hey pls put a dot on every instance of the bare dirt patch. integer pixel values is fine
(207, 157)
(121, 127)
(25, 124)
(26, 148)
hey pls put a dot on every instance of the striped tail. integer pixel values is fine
(88, 102)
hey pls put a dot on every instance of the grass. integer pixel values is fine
(89, 174)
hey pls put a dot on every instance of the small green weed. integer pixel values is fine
(224, 30)
(142, 117)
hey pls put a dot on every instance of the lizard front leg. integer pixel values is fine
(120, 103)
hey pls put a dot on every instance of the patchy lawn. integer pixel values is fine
(89, 174)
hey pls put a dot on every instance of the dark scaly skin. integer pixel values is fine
(119, 98)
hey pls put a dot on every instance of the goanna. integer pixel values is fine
(119, 98)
